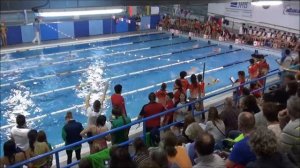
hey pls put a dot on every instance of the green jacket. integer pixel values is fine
(122, 135)
(98, 159)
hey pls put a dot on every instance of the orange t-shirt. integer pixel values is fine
(194, 90)
(185, 84)
(161, 96)
(253, 71)
(181, 158)
(118, 101)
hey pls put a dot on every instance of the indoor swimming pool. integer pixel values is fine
(44, 84)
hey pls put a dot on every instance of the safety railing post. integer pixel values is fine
(57, 160)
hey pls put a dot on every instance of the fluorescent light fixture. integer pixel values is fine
(80, 13)
(266, 3)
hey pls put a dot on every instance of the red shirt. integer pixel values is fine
(253, 71)
(263, 67)
(118, 101)
(202, 87)
(241, 81)
(169, 117)
(177, 95)
(149, 110)
(185, 84)
(194, 90)
(161, 96)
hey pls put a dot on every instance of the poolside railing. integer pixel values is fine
(60, 149)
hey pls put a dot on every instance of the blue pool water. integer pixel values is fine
(50, 81)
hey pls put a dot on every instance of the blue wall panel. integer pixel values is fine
(27, 33)
(145, 21)
(132, 26)
(47, 33)
(95, 27)
(154, 20)
(122, 26)
(65, 28)
(81, 28)
(14, 35)
(109, 26)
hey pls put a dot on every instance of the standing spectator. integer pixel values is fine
(141, 152)
(204, 146)
(37, 148)
(119, 121)
(11, 155)
(41, 137)
(290, 136)
(178, 89)
(3, 31)
(161, 94)
(97, 144)
(150, 109)
(270, 111)
(71, 134)
(168, 118)
(176, 154)
(194, 88)
(229, 115)
(215, 125)
(183, 111)
(263, 143)
(263, 68)
(253, 69)
(184, 82)
(120, 158)
(117, 100)
(93, 113)
(241, 153)
(37, 29)
(19, 133)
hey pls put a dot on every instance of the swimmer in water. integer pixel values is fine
(213, 81)
(217, 50)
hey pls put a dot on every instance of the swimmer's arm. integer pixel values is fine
(104, 93)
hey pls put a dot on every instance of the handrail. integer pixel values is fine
(143, 120)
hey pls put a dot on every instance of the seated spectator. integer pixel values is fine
(241, 153)
(199, 109)
(120, 158)
(270, 111)
(149, 164)
(19, 133)
(97, 144)
(180, 114)
(141, 152)
(118, 121)
(188, 119)
(290, 137)
(117, 100)
(37, 148)
(215, 125)
(11, 155)
(229, 115)
(263, 143)
(160, 157)
(96, 160)
(204, 146)
(71, 134)
(249, 104)
(192, 132)
(176, 154)
(150, 109)
(41, 137)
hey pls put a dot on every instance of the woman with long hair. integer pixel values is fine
(194, 88)
(177, 90)
(215, 125)
(97, 144)
(37, 148)
(41, 137)
(118, 121)
(11, 156)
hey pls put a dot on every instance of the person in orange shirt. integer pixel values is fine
(177, 90)
(194, 88)
(117, 99)
(253, 69)
(168, 118)
(161, 94)
(263, 68)
(184, 82)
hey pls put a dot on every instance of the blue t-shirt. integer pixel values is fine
(241, 153)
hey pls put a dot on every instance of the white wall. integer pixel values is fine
(274, 16)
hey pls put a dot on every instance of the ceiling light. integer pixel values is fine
(266, 3)
(80, 13)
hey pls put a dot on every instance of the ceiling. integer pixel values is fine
(9, 5)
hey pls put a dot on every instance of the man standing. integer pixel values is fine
(71, 134)
(19, 133)
(37, 29)
(150, 109)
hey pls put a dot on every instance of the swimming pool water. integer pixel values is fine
(45, 84)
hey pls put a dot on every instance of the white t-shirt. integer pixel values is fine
(241, 30)
(287, 62)
(250, 31)
(92, 116)
(20, 137)
(182, 112)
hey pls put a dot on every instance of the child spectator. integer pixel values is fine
(41, 137)
(117, 99)
(161, 94)
(11, 155)
(168, 118)
(119, 121)
(19, 133)
(178, 89)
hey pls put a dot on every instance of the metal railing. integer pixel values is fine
(60, 149)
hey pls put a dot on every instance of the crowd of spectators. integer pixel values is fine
(252, 35)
